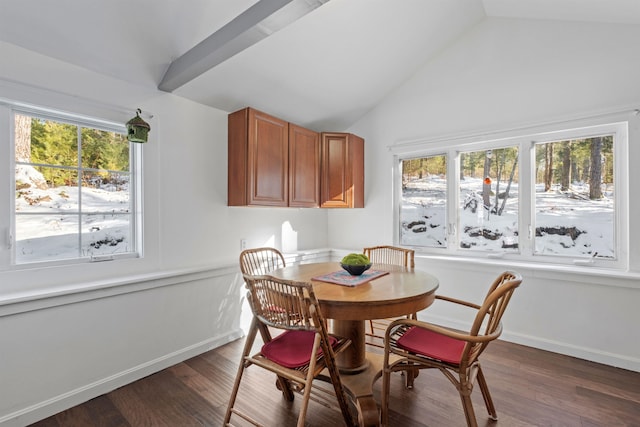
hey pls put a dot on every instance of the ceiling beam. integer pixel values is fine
(254, 24)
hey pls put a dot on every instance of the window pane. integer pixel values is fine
(488, 211)
(45, 141)
(106, 234)
(46, 237)
(423, 208)
(37, 191)
(574, 201)
(105, 192)
(104, 150)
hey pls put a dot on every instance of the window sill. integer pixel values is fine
(573, 273)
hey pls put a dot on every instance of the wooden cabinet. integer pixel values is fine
(258, 159)
(342, 172)
(304, 167)
(271, 162)
(275, 163)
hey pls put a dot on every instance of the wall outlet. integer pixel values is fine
(243, 244)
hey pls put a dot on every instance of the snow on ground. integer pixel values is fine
(52, 229)
(424, 222)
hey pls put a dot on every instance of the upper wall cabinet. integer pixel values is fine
(271, 162)
(304, 167)
(258, 159)
(342, 174)
(275, 163)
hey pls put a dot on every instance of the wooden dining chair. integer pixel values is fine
(259, 261)
(298, 354)
(420, 345)
(386, 255)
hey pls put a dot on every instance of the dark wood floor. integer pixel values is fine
(529, 387)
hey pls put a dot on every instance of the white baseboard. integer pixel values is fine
(593, 355)
(80, 395)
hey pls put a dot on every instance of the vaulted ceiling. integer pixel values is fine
(318, 63)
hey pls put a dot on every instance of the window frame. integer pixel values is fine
(456, 211)
(525, 140)
(447, 202)
(8, 110)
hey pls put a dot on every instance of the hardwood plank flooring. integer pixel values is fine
(529, 387)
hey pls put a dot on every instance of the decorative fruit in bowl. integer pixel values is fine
(356, 264)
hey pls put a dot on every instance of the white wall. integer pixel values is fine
(70, 333)
(505, 74)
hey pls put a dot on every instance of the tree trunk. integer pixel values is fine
(595, 169)
(585, 170)
(575, 172)
(22, 138)
(565, 179)
(548, 166)
(500, 165)
(506, 193)
(486, 186)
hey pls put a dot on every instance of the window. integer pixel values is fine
(75, 189)
(574, 198)
(423, 209)
(555, 196)
(488, 201)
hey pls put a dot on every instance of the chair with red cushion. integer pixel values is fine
(419, 345)
(298, 354)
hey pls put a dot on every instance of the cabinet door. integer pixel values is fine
(304, 167)
(237, 131)
(267, 160)
(342, 183)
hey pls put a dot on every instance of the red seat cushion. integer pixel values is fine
(431, 344)
(292, 349)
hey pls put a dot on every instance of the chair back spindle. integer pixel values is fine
(391, 255)
(259, 261)
(282, 305)
(488, 319)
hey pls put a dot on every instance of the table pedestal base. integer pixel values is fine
(359, 389)
(352, 360)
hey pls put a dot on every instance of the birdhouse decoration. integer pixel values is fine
(137, 129)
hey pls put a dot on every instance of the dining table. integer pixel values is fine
(384, 291)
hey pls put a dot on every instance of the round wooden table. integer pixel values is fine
(403, 291)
